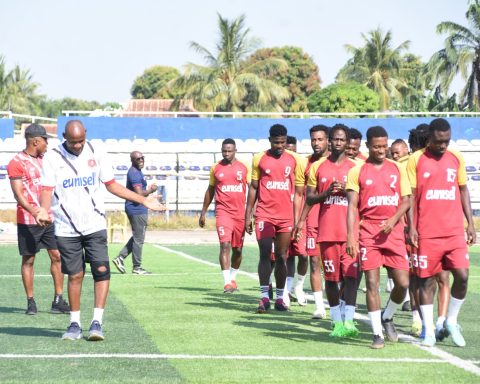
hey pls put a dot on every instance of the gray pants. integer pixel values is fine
(135, 244)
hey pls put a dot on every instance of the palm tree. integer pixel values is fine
(17, 90)
(377, 65)
(461, 55)
(225, 81)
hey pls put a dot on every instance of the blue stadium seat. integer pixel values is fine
(471, 168)
(194, 168)
(206, 168)
(121, 168)
(151, 168)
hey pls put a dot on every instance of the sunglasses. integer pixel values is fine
(139, 158)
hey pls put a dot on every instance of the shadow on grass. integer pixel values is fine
(297, 326)
(11, 310)
(29, 331)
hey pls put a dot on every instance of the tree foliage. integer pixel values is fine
(344, 97)
(377, 65)
(54, 107)
(223, 83)
(18, 91)
(460, 55)
(301, 77)
(155, 83)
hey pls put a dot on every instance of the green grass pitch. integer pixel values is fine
(177, 326)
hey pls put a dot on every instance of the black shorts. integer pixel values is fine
(78, 250)
(31, 238)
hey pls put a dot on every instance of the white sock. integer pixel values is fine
(427, 314)
(375, 319)
(75, 317)
(264, 291)
(453, 310)
(289, 284)
(390, 310)
(318, 296)
(416, 316)
(349, 312)
(98, 315)
(407, 297)
(335, 313)
(226, 276)
(270, 279)
(300, 281)
(440, 321)
(279, 292)
(233, 273)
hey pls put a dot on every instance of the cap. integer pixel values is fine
(35, 130)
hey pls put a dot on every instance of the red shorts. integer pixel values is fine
(336, 262)
(312, 246)
(378, 249)
(267, 228)
(441, 253)
(231, 230)
(299, 248)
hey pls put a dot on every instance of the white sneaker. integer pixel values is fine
(319, 313)
(302, 300)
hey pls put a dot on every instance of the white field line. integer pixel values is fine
(154, 356)
(127, 274)
(447, 357)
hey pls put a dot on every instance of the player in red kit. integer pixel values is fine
(24, 172)
(379, 193)
(326, 188)
(442, 200)
(228, 184)
(276, 173)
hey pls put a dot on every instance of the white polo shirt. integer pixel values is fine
(77, 201)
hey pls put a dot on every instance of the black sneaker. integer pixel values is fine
(390, 331)
(31, 307)
(118, 262)
(60, 306)
(406, 306)
(378, 342)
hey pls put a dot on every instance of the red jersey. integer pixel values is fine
(438, 204)
(379, 189)
(28, 169)
(230, 182)
(277, 178)
(332, 218)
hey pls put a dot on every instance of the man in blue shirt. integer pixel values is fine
(137, 215)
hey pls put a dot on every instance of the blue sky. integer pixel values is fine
(94, 49)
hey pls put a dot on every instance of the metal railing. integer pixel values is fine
(300, 115)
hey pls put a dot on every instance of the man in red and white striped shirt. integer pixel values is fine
(24, 172)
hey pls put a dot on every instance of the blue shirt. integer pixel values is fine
(135, 177)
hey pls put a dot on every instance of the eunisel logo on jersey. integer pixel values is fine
(232, 188)
(83, 181)
(386, 200)
(278, 185)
